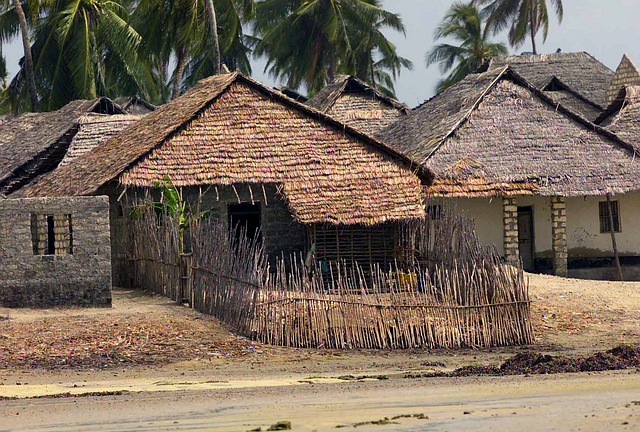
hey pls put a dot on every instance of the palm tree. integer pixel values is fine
(82, 49)
(465, 24)
(182, 31)
(14, 21)
(375, 60)
(310, 41)
(523, 17)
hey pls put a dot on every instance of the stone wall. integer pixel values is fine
(281, 233)
(55, 252)
(626, 74)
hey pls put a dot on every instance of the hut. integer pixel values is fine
(32, 144)
(357, 104)
(576, 80)
(544, 185)
(253, 157)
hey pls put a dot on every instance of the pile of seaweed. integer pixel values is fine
(618, 358)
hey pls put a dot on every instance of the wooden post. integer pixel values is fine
(185, 280)
(613, 237)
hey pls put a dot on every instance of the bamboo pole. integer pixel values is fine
(613, 237)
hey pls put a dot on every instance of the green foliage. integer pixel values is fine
(523, 18)
(83, 49)
(171, 202)
(465, 24)
(308, 42)
(178, 29)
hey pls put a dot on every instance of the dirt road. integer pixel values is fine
(603, 401)
(181, 370)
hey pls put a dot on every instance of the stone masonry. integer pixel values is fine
(510, 226)
(281, 234)
(626, 74)
(55, 252)
(559, 235)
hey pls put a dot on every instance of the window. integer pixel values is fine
(605, 221)
(51, 234)
(434, 212)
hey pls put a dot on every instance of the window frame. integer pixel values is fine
(603, 213)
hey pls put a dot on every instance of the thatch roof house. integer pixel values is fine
(34, 143)
(260, 159)
(496, 135)
(576, 80)
(357, 104)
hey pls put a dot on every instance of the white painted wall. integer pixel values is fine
(487, 214)
(583, 224)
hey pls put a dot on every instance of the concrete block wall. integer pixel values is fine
(30, 278)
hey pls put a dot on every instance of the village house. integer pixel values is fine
(543, 184)
(253, 157)
(32, 144)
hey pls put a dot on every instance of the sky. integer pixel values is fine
(606, 29)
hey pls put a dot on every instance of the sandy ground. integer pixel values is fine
(159, 353)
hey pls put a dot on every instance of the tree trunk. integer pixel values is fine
(177, 79)
(28, 60)
(533, 27)
(211, 12)
(331, 70)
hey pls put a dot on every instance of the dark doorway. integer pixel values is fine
(525, 238)
(245, 218)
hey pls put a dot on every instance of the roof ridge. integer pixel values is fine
(520, 80)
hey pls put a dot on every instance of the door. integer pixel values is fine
(245, 220)
(525, 237)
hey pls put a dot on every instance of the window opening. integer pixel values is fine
(605, 222)
(51, 234)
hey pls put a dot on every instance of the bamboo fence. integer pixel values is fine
(447, 291)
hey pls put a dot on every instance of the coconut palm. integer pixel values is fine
(524, 18)
(463, 23)
(82, 49)
(307, 42)
(375, 60)
(181, 31)
(13, 21)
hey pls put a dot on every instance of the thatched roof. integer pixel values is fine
(579, 71)
(357, 104)
(33, 143)
(230, 129)
(94, 129)
(622, 117)
(494, 131)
